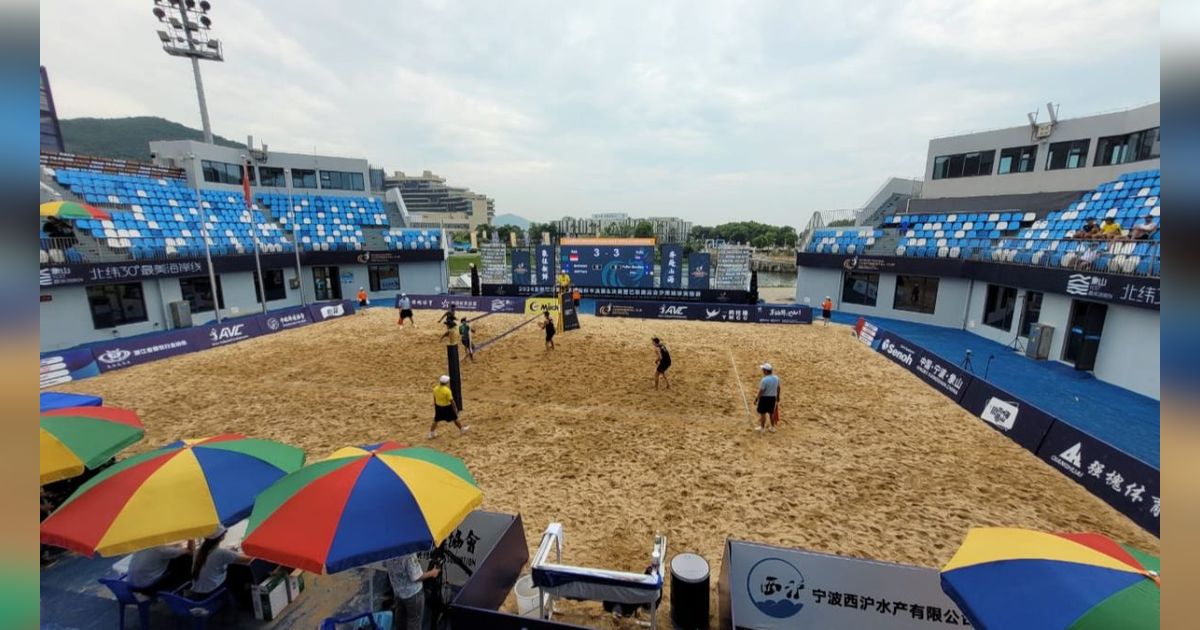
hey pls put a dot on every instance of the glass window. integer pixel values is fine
(197, 290)
(223, 172)
(1069, 154)
(304, 178)
(1032, 311)
(1130, 147)
(998, 309)
(1017, 160)
(340, 180)
(860, 288)
(272, 176)
(273, 283)
(116, 304)
(384, 277)
(963, 164)
(915, 293)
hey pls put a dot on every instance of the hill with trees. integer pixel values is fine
(127, 138)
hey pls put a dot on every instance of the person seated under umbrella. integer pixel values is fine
(211, 565)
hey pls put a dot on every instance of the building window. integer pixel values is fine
(963, 164)
(376, 178)
(860, 288)
(304, 178)
(915, 293)
(998, 309)
(274, 285)
(224, 172)
(384, 277)
(272, 176)
(1131, 147)
(116, 304)
(1017, 160)
(340, 180)
(1070, 154)
(197, 290)
(1032, 311)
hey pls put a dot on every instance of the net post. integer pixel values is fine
(453, 372)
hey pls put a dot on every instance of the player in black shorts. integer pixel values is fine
(548, 325)
(662, 361)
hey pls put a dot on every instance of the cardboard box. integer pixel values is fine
(295, 584)
(270, 597)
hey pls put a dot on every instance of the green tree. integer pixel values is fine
(644, 229)
(841, 223)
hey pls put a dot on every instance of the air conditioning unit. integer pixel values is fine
(181, 314)
(1038, 346)
(1044, 130)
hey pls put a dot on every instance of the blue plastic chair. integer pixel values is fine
(127, 597)
(198, 612)
(378, 621)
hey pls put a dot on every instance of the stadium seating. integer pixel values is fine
(323, 222)
(400, 238)
(1048, 241)
(842, 241)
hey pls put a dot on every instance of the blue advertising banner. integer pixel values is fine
(784, 314)
(1020, 421)
(544, 265)
(1124, 482)
(467, 303)
(283, 319)
(699, 271)
(521, 271)
(945, 377)
(676, 310)
(671, 266)
(120, 353)
(618, 293)
(66, 366)
(322, 311)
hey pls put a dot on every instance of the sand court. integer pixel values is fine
(869, 462)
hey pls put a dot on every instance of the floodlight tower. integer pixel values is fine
(188, 36)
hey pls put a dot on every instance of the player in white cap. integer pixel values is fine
(445, 409)
(767, 399)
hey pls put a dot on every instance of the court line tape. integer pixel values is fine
(745, 401)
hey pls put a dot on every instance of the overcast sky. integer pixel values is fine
(713, 111)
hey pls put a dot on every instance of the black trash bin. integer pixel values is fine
(689, 592)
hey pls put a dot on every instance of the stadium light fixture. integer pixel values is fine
(188, 35)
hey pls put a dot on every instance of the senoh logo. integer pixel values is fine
(895, 352)
(116, 355)
(1071, 459)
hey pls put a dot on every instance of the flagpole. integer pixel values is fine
(212, 275)
(262, 289)
(287, 180)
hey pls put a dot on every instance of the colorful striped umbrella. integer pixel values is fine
(182, 490)
(72, 210)
(78, 438)
(1018, 578)
(361, 505)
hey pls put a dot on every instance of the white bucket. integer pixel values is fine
(527, 596)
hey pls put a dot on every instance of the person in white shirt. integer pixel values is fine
(407, 577)
(405, 306)
(162, 568)
(211, 564)
(1145, 229)
(767, 398)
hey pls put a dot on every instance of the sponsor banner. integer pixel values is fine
(676, 310)
(493, 263)
(866, 331)
(1142, 292)
(466, 303)
(322, 311)
(1020, 421)
(784, 314)
(620, 293)
(1124, 482)
(66, 366)
(284, 319)
(671, 266)
(230, 331)
(521, 271)
(570, 315)
(377, 257)
(121, 353)
(945, 377)
(733, 267)
(699, 270)
(544, 265)
(534, 306)
(468, 545)
(767, 588)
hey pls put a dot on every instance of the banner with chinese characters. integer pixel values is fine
(1020, 421)
(733, 267)
(699, 270)
(521, 271)
(946, 377)
(623, 293)
(1124, 482)
(466, 303)
(470, 543)
(544, 265)
(776, 588)
(784, 314)
(121, 353)
(743, 313)
(322, 311)
(670, 266)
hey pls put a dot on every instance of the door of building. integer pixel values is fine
(1083, 337)
(327, 283)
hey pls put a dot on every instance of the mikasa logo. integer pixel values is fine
(892, 350)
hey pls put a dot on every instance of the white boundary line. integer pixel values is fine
(745, 401)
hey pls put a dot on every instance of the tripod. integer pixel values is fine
(966, 362)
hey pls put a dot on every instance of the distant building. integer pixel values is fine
(430, 203)
(666, 229)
